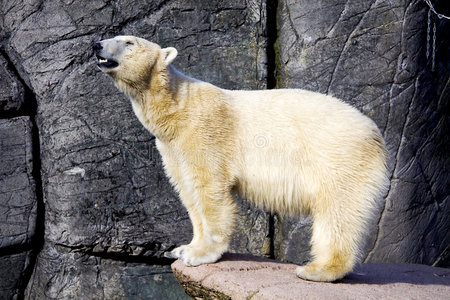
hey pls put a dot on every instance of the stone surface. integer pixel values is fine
(65, 274)
(14, 268)
(11, 90)
(17, 188)
(291, 239)
(372, 54)
(239, 276)
(18, 205)
(103, 185)
(104, 189)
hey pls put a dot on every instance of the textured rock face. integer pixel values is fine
(17, 191)
(104, 189)
(67, 274)
(12, 91)
(109, 210)
(18, 205)
(15, 268)
(372, 54)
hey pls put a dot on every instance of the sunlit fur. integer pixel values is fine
(289, 151)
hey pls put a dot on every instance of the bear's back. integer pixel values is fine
(301, 142)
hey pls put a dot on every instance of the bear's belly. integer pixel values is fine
(277, 181)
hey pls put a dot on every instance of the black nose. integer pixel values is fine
(97, 46)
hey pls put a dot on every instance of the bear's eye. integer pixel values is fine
(129, 43)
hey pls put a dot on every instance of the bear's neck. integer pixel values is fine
(158, 107)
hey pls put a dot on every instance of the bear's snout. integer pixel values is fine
(104, 61)
(97, 46)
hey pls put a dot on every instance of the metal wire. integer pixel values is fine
(433, 54)
(428, 33)
(440, 16)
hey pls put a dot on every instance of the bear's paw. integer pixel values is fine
(198, 256)
(312, 272)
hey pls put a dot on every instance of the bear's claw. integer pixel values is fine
(176, 253)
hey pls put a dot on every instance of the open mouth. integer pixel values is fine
(106, 63)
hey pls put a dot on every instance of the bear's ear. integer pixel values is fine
(169, 55)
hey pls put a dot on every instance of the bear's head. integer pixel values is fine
(132, 61)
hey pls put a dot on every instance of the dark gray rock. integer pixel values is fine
(17, 188)
(18, 205)
(108, 191)
(221, 42)
(13, 274)
(103, 185)
(291, 239)
(252, 233)
(11, 90)
(104, 189)
(372, 54)
(63, 274)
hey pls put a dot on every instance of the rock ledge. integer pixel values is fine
(238, 276)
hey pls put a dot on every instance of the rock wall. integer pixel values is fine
(85, 209)
(372, 54)
(20, 185)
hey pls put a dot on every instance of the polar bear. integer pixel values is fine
(289, 151)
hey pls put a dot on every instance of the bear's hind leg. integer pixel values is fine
(334, 248)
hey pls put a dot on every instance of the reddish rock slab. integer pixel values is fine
(238, 276)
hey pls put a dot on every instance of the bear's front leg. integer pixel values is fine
(189, 202)
(172, 166)
(214, 214)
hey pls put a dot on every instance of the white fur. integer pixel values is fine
(290, 151)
